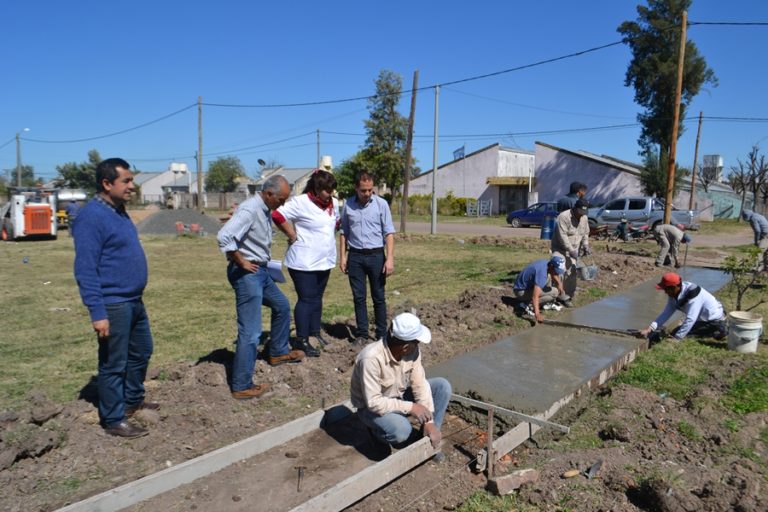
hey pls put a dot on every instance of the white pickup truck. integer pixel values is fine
(640, 210)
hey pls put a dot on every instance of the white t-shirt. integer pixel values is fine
(315, 245)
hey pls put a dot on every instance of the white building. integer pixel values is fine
(494, 173)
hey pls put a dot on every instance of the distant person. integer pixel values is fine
(540, 283)
(571, 238)
(760, 227)
(310, 221)
(704, 315)
(577, 191)
(367, 252)
(389, 384)
(72, 210)
(246, 239)
(669, 238)
(111, 273)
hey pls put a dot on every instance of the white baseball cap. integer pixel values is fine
(407, 327)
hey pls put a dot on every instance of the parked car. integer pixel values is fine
(533, 215)
(640, 210)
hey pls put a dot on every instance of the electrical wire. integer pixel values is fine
(731, 23)
(143, 125)
(8, 142)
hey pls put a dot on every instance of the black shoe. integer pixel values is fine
(125, 429)
(320, 339)
(304, 345)
(150, 406)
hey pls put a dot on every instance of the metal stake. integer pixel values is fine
(301, 476)
(491, 454)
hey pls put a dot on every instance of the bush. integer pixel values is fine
(421, 204)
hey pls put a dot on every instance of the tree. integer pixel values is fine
(27, 177)
(749, 176)
(653, 176)
(384, 150)
(82, 175)
(654, 39)
(223, 173)
(346, 173)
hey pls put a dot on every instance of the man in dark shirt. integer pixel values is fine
(577, 191)
(111, 273)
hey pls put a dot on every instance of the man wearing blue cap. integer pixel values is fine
(389, 384)
(540, 283)
(669, 238)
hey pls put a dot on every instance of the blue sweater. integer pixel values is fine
(110, 265)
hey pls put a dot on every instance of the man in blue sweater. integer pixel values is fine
(111, 273)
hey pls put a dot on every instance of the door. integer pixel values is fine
(512, 198)
(613, 211)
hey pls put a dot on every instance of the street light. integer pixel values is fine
(18, 156)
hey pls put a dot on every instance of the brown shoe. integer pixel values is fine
(255, 391)
(294, 356)
(125, 429)
(151, 406)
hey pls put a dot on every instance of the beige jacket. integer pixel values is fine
(379, 381)
(569, 236)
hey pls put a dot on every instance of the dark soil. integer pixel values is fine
(53, 455)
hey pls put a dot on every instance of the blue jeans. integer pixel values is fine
(123, 360)
(310, 287)
(252, 290)
(394, 427)
(359, 268)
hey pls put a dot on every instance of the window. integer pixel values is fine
(637, 204)
(615, 205)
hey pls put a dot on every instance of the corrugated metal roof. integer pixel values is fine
(144, 177)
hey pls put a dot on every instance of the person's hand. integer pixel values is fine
(343, 265)
(421, 413)
(587, 251)
(389, 268)
(102, 328)
(644, 333)
(248, 266)
(435, 437)
(539, 317)
(574, 254)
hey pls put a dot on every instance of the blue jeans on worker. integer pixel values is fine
(362, 266)
(394, 427)
(123, 360)
(252, 290)
(310, 287)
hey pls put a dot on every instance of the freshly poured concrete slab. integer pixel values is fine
(533, 370)
(638, 306)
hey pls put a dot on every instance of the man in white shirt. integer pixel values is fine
(389, 384)
(704, 315)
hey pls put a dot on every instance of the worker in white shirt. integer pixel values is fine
(704, 315)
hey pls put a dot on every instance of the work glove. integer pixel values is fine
(574, 254)
(587, 251)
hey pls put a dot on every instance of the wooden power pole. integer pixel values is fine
(695, 163)
(675, 122)
(408, 150)
(200, 153)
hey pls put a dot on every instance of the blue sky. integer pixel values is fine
(82, 69)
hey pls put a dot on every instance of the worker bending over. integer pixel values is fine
(704, 315)
(540, 283)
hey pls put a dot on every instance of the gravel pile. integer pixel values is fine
(164, 222)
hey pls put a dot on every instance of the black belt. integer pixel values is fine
(259, 263)
(366, 251)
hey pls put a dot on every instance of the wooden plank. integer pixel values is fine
(367, 481)
(188, 471)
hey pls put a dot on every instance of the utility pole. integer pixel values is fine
(675, 122)
(318, 148)
(695, 162)
(18, 159)
(433, 229)
(200, 153)
(408, 150)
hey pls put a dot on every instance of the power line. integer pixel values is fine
(114, 133)
(8, 142)
(731, 23)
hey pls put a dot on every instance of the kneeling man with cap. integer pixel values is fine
(704, 315)
(540, 283)
(389, 384)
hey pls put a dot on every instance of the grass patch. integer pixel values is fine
(750, 392)
(481, 501)
(688, 431)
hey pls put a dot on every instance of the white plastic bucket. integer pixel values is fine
(744, 330)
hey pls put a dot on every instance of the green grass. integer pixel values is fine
(688, 431)
(481, 501)
(750, 392)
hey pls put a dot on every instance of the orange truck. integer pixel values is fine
(30, 213)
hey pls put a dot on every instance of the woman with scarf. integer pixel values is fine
(311, 232)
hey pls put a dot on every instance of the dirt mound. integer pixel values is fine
(164, 222)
